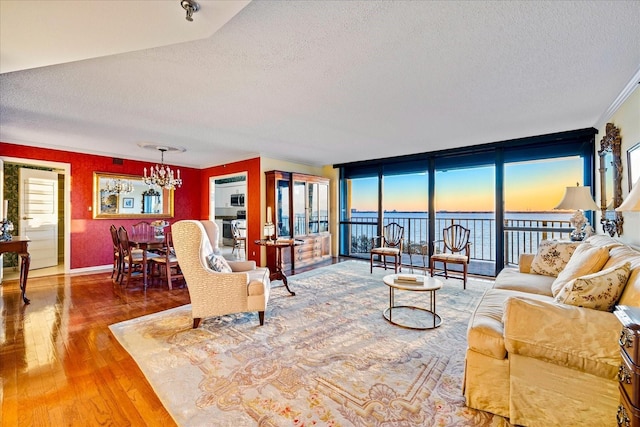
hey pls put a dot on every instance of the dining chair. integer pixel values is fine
(132, 260)
(388, 245)
(142, 229)
(167, 263)
(239, 240)
(117, 259)
(453, 248)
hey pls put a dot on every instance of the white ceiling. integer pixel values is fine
(315, 82)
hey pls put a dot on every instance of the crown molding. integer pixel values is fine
(633, 84)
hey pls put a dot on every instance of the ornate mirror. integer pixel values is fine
(127, 196)
(611, 180)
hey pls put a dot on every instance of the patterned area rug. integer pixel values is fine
(324, 357)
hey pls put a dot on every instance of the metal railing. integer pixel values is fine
(520, 235)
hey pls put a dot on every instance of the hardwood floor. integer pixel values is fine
(59, 363)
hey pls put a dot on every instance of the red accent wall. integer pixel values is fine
(252, 167)
(90, 238)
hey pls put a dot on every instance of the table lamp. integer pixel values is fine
(632, 202)
(580, 199)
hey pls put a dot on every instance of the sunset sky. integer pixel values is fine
(530, 186)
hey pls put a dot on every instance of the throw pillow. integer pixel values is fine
(599, 291)
(552, 257)
(586, 259)
(218, 263)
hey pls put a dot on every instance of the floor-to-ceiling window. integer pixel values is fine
(478, 187)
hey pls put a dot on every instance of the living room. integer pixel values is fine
(265, 114)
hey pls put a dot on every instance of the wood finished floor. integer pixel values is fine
(59, 363)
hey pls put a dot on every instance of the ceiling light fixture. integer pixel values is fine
(190, 6)
(162, 175)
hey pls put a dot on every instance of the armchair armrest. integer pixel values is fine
(575, 337)
(240, 266)
(524, 262)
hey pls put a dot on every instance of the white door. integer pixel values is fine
(38, 212)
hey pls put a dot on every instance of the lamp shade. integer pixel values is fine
(632, 201)
(578, 198)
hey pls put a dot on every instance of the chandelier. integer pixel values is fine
(119, 186)
(162, 175)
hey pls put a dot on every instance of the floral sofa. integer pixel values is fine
(543, 342)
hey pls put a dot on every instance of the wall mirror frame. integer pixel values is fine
(611, 178)
(138, 201)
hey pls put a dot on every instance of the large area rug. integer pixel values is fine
(325, 357)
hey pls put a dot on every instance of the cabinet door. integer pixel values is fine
(299, 208)
(313, 208)
(323, 208)
(283, 225)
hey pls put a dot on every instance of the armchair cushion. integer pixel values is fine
(599, 291)
(218, 263)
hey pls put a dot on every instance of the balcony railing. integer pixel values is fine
(520, 236)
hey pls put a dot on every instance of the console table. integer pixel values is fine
(19, 246)
(277, 272)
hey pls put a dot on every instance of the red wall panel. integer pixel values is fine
(90, 238)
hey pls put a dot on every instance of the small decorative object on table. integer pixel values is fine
(159, 226)
(5, 230)
(269, 227)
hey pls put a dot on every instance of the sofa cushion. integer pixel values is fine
(513, 279)
(552, 257)
(599, 291)
(575, 337)
(218, 263)
(486, 330)
(586, 259)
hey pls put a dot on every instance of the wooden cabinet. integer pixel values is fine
(628, 414)
(300, 204)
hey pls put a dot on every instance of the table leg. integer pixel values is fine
(24, 274)
(279, 273)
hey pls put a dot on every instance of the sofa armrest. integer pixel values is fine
(566, 335)
(524, 262)
(240, 266)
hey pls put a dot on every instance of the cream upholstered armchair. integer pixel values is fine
(238, 287)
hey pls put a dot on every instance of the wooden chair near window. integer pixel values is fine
(389, 245)
(453, 248)
(166, 264)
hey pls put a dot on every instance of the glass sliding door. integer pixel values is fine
(359, 216)
(466, 196)
(532, 189)
(405, 200)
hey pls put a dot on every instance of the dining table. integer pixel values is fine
(19, 245)
(146, 243)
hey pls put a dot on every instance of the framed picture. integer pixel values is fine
(633, 164)
(127, 202)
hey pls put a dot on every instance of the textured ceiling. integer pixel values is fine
(321, 82)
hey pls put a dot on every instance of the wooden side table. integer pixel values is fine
(19, 245)
(277, 272)
(628, 414)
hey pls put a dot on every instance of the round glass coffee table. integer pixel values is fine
(408, 316)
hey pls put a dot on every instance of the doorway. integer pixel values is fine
(58, 240)
(228, 202)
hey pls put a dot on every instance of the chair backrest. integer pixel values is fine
(393, 234)
(123, 237)
(192, 247)
(456, 238)
(213, 232)
(114, 238)
(143, 229)
(234, 230)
